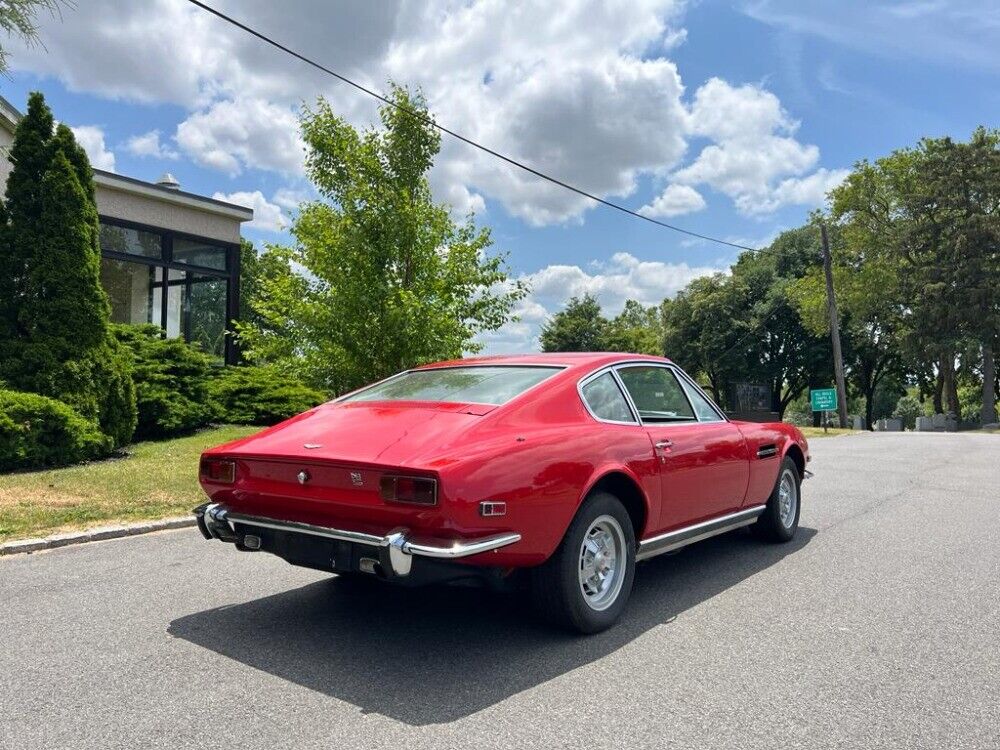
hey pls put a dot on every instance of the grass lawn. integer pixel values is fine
(817, 432)
(158, 479)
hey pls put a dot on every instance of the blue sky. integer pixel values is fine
(728, 118)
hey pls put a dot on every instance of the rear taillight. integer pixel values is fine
(417, 490)
(220, 470)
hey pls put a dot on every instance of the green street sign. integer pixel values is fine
(823, 399)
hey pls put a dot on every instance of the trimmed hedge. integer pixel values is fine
(260, 395)
(38, 432)
(171, 382)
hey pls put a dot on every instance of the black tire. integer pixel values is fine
(556, 588)
(773, 525)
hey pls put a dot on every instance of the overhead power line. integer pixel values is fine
(429, 121)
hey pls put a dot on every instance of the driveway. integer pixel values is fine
(879, 626)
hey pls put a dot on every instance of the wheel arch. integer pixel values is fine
(795, 453)
(627, 489)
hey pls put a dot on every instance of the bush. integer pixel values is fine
(908, 408)
(171, 382)
(260, 395)
(38, 432)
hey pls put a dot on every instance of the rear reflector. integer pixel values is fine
(219, 470)
(489, 508)
(417, 490)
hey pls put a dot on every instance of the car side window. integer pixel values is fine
(702, 407)
(657, 394)
(606, 400)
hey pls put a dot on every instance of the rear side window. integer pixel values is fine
(657, 394)
(606, 400)
(702, 407)
(460, 385)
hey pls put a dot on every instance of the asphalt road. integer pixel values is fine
(879, 626)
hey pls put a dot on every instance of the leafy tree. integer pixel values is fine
(390, 280)
(17, 19)
(703, 326)
(636, 329)
(54, 315)
(871, 316)
(779, 350)
(579, 327)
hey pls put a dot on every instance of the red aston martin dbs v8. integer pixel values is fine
(569, 467)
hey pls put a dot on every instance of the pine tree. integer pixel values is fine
(55, 334)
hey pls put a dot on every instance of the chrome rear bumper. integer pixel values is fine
(215, 521)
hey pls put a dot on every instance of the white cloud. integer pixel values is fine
(586, 93)
(674, 201)
(290, 198)
(149, 144)
(91, 138)
(755, 160)
(267, 216)
(621, 278)
(233, 134)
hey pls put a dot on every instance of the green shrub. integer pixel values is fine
(38, 432)
(53, 311)
(171, 382)
(908, 408)
(260, 395)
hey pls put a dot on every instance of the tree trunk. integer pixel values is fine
(869, 407)
(939, 389)
(950, 385)
(988, 413)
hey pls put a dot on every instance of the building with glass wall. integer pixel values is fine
(169, 257)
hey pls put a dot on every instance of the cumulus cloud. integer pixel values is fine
(585, 92)
(755, 159)
(233, 134)
(149, 144)
(91, 138)
(621, 278)
(267, 216)
(674, 201)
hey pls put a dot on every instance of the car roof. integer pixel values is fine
(574, 360)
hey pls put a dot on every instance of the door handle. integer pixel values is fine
(664, 444)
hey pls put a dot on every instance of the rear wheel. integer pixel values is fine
(780, 518)
(587, 581)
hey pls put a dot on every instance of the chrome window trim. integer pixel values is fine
(586, 379)
(688, 381)
(364, 388)
(670, 366)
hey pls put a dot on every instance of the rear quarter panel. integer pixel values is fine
(542, 460)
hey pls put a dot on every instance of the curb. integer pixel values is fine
(98, 534)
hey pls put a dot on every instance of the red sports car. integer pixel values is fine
(569, 467)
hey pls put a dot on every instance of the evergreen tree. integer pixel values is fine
(54, 332)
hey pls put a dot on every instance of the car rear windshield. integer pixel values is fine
(485, 384)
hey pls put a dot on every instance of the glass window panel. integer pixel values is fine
(131, 290)
(606, 400)
(175, 299)
(702, 407)
(460, 385)
(198, 253)
(205, 313)
(116, 239)
(656, 394)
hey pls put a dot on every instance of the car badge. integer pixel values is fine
(303, 477)
(356, 479)
(311, 446)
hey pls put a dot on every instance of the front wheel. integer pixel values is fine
(587, 581)
(780, 518)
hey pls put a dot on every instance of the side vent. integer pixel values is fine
(766, 451)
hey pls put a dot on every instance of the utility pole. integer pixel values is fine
(831, 304)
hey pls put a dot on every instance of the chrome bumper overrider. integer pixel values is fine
(215, 521)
